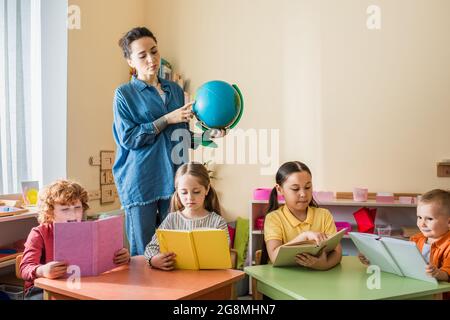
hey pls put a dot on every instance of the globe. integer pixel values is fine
(218, 105)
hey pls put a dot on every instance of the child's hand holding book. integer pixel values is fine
(312, 262)
(122, 256)
(56, 269)
(436, 273)
(309, 249)
(363, 259)
(163, 261)
(52, 270)
(318, 237)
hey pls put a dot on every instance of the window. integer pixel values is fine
(16, 96)
(33, 92)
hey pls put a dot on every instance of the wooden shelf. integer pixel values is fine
(27, 215)
(8, 263)
(350, 203)
(369, 203)
(20, 230)
(264, 202)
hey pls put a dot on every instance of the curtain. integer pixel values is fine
(15, 94)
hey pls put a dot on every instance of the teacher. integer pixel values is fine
(147, 112)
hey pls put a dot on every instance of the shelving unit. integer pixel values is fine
(13, 228)
(369, 203)
(339, 202)
(26, 215)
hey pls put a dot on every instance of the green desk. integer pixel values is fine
(346, 281)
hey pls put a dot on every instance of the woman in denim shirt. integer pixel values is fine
(151, 130)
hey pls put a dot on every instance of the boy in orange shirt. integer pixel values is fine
(433, 241)
(433, 220)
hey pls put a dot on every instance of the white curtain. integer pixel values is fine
(15, 94)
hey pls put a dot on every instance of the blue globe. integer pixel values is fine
(218, 105)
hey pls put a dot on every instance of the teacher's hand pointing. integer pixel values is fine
(183, 114)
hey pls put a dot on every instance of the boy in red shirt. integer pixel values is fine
(62, 201)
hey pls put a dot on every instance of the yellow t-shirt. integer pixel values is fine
(282, 225)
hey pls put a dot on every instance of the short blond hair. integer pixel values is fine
(440, 197)
(61, 192)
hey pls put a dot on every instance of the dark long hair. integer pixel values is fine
(280, 178)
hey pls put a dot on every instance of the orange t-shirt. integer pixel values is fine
(440, 250)
(439, 254)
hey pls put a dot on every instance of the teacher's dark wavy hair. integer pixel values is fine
(133, 35)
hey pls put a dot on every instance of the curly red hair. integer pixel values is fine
(61, 192)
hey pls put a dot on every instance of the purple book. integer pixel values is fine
(89, 245)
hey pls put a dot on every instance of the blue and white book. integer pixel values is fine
(396, 256)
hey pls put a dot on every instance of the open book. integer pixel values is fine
(286, 254)
(196, 249)
(396, 256)
(90, 245)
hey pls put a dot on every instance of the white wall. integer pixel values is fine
(359, 107)
(385, 94)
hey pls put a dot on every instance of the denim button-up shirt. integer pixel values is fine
(144, 171)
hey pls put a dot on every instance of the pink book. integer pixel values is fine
(89, 244)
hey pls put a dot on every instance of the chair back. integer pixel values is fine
(18, 261)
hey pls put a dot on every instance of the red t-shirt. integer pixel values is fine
(38, 251)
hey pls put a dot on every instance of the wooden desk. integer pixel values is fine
(137, 281)
(346, 281)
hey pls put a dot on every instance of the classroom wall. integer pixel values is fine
(95, 68)
(385, 96)
(210, 40)
(361, 107)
